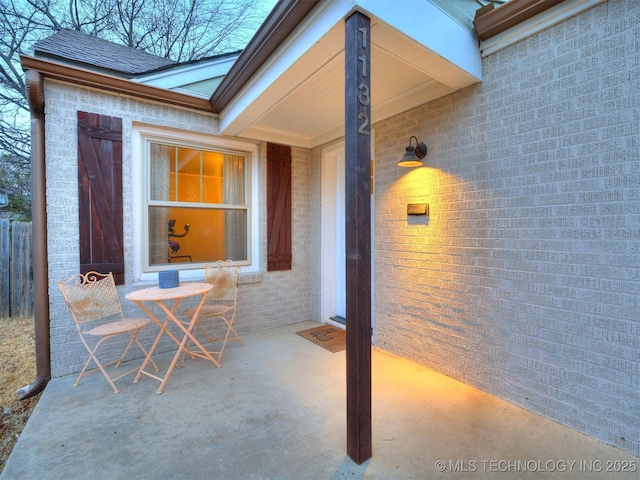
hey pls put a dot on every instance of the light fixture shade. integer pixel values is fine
(410, 158)
(413, 155)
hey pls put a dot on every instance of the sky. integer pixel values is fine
(269, 3)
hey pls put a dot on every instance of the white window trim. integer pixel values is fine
(141, 133)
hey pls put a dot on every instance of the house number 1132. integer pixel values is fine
(363, 89)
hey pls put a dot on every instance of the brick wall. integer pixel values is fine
(265, 299)
(525, 279)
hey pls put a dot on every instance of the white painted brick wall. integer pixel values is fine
(525, 281)
(265, 300)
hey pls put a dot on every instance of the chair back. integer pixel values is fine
(224, 276)
(91, 296)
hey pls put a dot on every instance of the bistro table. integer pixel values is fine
(162, 296)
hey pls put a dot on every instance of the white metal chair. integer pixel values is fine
(93, 301)
(220, 305)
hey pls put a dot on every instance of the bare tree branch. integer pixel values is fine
(180, 30)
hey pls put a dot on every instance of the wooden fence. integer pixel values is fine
(16, 272)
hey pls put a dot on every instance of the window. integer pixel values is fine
(196, 206)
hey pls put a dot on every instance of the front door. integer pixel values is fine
(333, 236)
(334, 288)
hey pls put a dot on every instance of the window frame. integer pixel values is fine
(143, 135)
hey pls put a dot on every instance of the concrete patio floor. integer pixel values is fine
(276, 410)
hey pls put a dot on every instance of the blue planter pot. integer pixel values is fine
(168, 279)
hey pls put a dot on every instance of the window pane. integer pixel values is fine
(212, 177)
(234, 174)
(188, 175)
(161, 172)
(199, 235)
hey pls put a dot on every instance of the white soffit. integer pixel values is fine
(418, 53)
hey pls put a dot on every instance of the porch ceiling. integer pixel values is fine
(418, 53)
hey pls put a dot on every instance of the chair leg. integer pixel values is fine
(124, 353)
(134, 338)
(92, 356)
(101, 368)
(238, 337)
(212, 340)
(226, 337)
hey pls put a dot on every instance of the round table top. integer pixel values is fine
(183, 290)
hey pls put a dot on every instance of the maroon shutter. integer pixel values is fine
(278, 207)
(100, 194)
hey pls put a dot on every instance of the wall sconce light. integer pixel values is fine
(413, 155)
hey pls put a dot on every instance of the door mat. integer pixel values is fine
(327, 336)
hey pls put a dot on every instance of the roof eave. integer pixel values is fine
(491, 21)
(87, 78)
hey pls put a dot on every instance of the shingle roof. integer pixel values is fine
(79, 47)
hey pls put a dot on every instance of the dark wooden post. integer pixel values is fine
(358, 235)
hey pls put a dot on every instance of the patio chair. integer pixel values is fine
(220, 305)
(92, 299)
